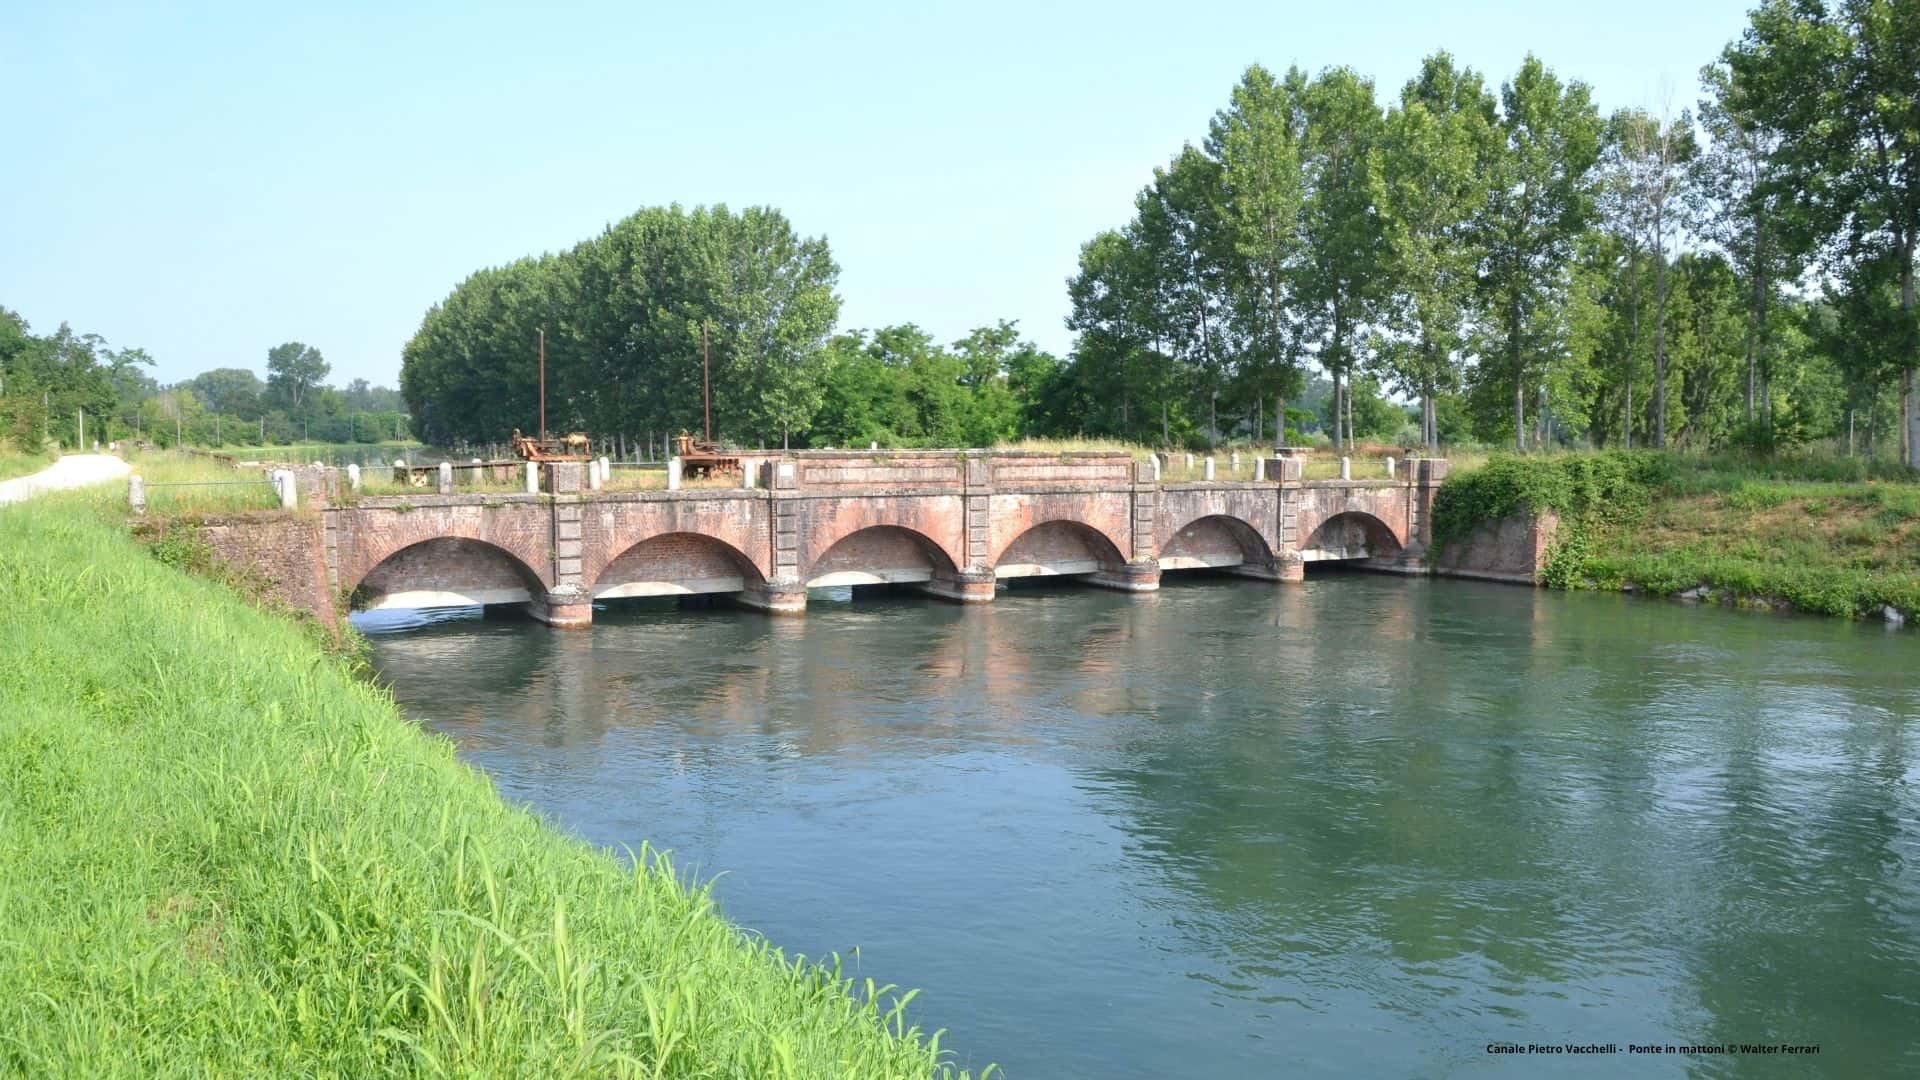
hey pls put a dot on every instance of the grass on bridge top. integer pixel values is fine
(227, 856)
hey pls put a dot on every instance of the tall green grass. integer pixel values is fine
(21, 463)
(226, 856)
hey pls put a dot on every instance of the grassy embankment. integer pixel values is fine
(14, 462)
(1832, 536)
(226, 855)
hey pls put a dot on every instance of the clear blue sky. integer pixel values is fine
(211, 182)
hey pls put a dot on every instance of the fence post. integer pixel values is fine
(673, 473)
(137, 493)
(289, 491)
(533, 478)
(1259, 470)
(446, 478)
(353, 477)
(593, 474)
(1389, 468)
(1209, 472)
(1346, 468)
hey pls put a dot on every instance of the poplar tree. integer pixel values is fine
(1540, 201)
(1437, 144)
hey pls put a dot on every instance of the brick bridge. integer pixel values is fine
(951, 522)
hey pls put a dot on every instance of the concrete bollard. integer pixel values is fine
(873, 446)
(1346, 468)
(533, 478)
(137, 493)
(446, 478)
(673, 474)
(749, 474)
(353, 477)
(1259, 470)
(287, 489)
(606, 469)
(1156, 467)
(593, 474)
(1389, 468)
(1236, 461)
(1209, 473)
(1189, 462)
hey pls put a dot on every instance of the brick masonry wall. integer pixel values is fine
(611, 525)
(283, 552)
(952, 515)
(879, 550)
(676, 558)
(365, 536)
(821, 523)
(1215, 541)
(451, 564)
(1061, 544)
(1107, 513)
(1258, 508)
(1511, 549)
(1388, 505)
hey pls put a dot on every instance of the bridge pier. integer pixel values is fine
(565, 609)
(965, 587)
(775, 597)
(1141, 575)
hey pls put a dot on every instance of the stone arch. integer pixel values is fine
(447, 571)
(676, 564)
(1060, 546)
(1215, 541)
(880, 555)
(1352, 534)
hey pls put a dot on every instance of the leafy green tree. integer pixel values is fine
(1259, 141)
(1643, 168)
(1341, 278)
(234, 392)
(1436, 146)
(1540, 202)
(1840, 82)
(294, 371)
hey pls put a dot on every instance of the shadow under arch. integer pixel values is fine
(1354, 534)
(1059, 548)
(446, 571)
(880, 555)
(676, 564)
(1215, 542)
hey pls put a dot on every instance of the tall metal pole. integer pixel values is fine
(706, 382)
(543, 383)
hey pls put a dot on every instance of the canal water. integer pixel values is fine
(1361, 826)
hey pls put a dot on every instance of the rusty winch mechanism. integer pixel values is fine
(573, 447)
(701, 457)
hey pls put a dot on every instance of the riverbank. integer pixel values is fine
(1825, 537)
(226, 854)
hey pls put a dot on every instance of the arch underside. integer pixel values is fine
(447, 571)
(879, 555)
(1057, 548)
(676, 564)
(1352, 535)
(1216, 541)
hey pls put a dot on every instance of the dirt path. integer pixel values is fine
(72, 471)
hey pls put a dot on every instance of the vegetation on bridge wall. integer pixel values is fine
(227, 856)
(1832, 536)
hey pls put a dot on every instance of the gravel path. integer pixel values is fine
(72, 471)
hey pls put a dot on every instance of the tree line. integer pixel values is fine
(1527, 269)
(54, 386)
